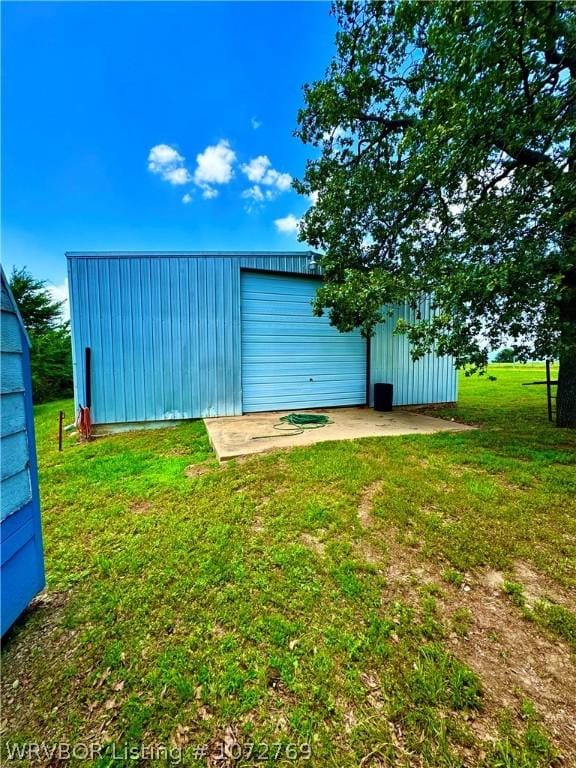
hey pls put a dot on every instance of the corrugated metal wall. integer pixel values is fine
(164, 330)
(431, 379)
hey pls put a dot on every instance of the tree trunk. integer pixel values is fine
(566, 395)
(566, 400)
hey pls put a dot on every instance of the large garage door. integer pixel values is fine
(291, 359)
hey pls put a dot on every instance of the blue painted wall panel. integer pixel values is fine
(16, 488)
(14, 452)
(13, 413)
(11, 374)
(23, 568)
(16, 492)
(16, 531)
(22, 565)
(165, 334)
(10, 333)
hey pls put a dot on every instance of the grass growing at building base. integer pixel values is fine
(210, 609)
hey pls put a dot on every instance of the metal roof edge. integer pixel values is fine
(184, 254)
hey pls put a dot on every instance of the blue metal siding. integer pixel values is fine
(431, 379)
(290, 358)
(157, 328)
(165, 334)
(21, 563)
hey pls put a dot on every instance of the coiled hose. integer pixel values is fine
(297, 423)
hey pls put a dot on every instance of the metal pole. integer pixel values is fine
(60, 424)
(368, 368)
(88, 377)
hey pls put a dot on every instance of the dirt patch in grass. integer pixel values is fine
(373, 688)
(369, 552)
(312, 543)
(512, 657)
(45, 639)
(221, 750)
(141, 507)
(195, 470)
(491, 579)
(48, 600)
(366, 504)
(404, 568)
(515, 662)
(258, 525)
(43, 614)
(537, 586)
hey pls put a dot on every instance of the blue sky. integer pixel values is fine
(153, 126)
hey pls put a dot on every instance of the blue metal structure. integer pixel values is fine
(291, 359)
(22, 561)
(169, 336)
(432, 379)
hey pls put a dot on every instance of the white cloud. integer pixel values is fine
(209, 193)
(254, 193)
(168, 163)
(215, 164)
(255, 123)
(288, 225)
(260, 170)
(177, 176)
(313, 197)
(60, 293)
(256, 168)
(162, 155)
(282, 181)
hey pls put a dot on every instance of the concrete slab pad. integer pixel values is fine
(233, 436)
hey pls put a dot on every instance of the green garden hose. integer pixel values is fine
(297, 423)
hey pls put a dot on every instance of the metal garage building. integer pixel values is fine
(188, 335)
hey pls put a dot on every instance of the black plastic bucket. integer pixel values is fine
(383, 395)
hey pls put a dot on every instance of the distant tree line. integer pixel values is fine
(506, 355)
(51, 352)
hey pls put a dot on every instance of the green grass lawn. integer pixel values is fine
(384, 602)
